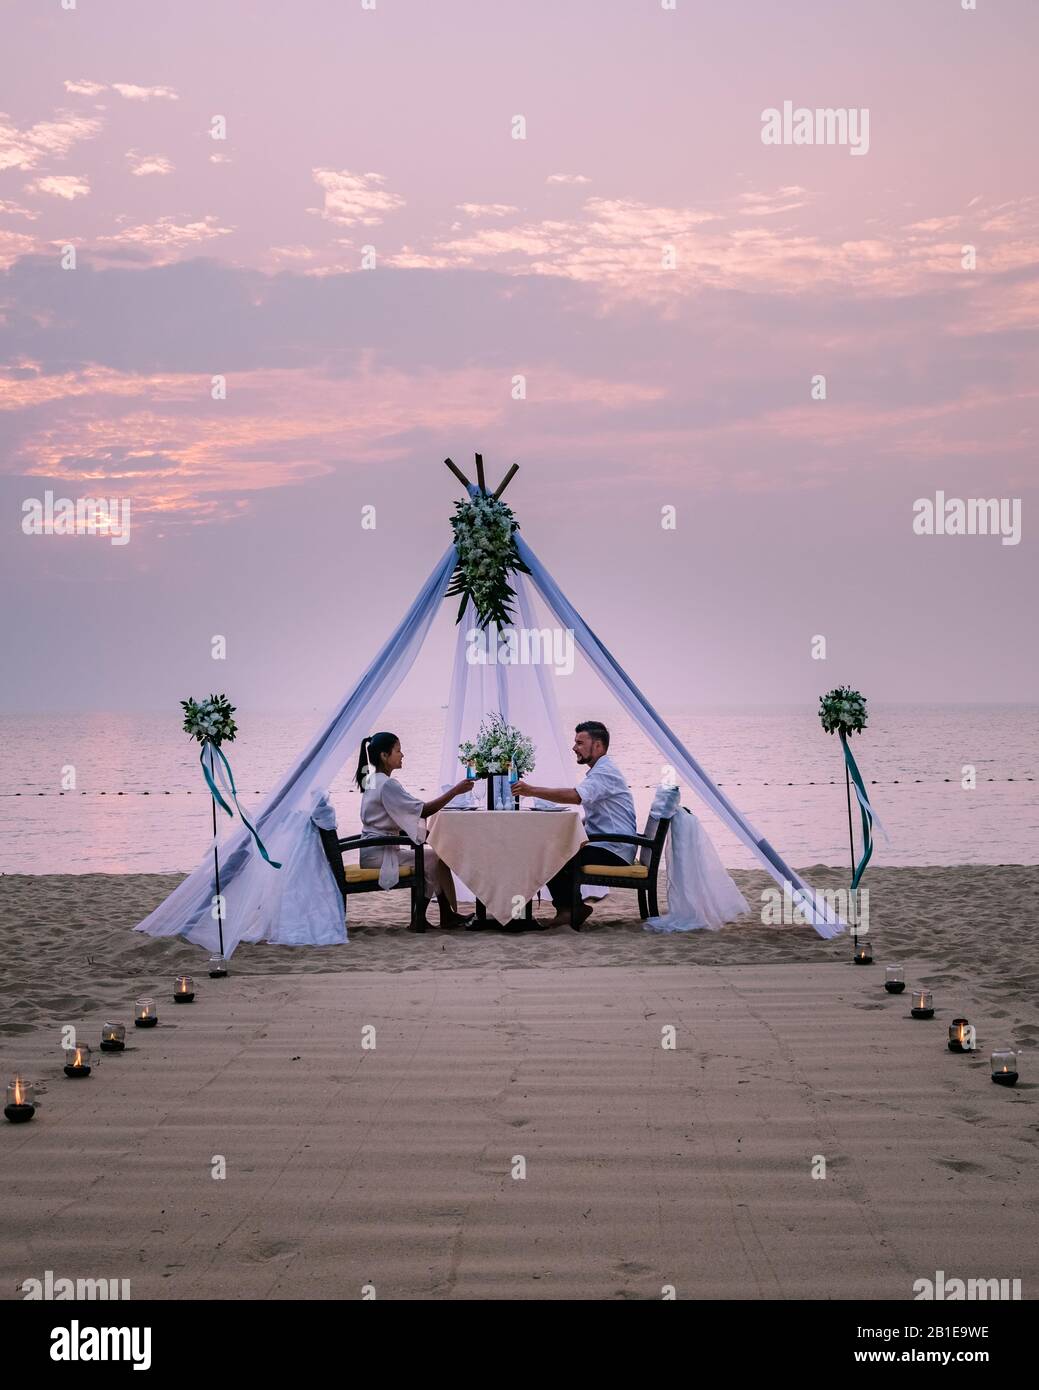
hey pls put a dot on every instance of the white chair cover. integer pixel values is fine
(700, 893)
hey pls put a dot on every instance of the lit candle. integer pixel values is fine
(960, 1036)
(923, 1004)
(77, 1061)
(894, 979)
(21, 1101)
(146, 1015)
(863, 954)
(217, 967)
(113, 1037)
(183, 990)
(1004, 1066)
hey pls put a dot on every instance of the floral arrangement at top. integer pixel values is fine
(497, 745)
(210, 721)
(843, 711)
(484, 529)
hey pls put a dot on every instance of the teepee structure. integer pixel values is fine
(300, 902)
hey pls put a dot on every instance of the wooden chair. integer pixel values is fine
(641, 876)
(351, 878)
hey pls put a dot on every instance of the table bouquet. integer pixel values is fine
(500, 750)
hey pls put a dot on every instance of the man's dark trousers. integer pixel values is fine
(561, 885)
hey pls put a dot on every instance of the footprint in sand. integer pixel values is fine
(972, 1117)
(960, 1165)
(266, 1250)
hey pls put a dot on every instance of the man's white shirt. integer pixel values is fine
(608, 806)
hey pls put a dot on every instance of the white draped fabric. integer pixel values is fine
(523, 692)
(299, 904)
(816, 909)
(701, 894)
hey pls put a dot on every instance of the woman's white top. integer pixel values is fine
(387, 808)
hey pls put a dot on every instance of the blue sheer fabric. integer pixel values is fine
(298, 904)
(687, 769)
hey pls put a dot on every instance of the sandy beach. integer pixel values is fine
(539, 1054)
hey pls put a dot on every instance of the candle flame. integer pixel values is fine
(19, 1094)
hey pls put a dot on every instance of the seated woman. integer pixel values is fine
(387, 809)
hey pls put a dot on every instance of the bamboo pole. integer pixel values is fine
(851, 846)
(458, 474)
(216, 874)
(507, 479)
(480, 480)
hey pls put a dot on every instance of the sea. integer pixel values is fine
(124, 793)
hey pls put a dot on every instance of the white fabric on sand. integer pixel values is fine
(701, 894)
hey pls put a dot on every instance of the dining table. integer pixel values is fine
(506, 857)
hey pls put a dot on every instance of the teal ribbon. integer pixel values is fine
(865, 809)
(215, 791)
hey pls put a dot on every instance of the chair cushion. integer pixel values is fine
(616, 870)
(355, 874)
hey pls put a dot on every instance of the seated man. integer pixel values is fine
(608, 808)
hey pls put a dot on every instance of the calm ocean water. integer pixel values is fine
(930, 820)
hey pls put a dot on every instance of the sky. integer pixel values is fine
(253, 337)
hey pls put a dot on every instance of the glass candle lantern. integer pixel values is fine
(894, 979)
(77, 1060)
(145, 1013)
(21, 1100)
(183, 990)
(961, 1036)
(113, 1037)
(1004, 1066)
(217, 967)
(923, 1004)
(863, 953)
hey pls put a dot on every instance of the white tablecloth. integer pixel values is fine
(506, 855)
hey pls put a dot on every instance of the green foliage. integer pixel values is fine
(498, 744)
(484, 530)
(843, 711)
(210, 720)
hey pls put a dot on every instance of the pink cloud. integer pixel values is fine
(24, 149)
(144, 164)
(352, 199)
(168, 235)
(134, 93)
(67, 186)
